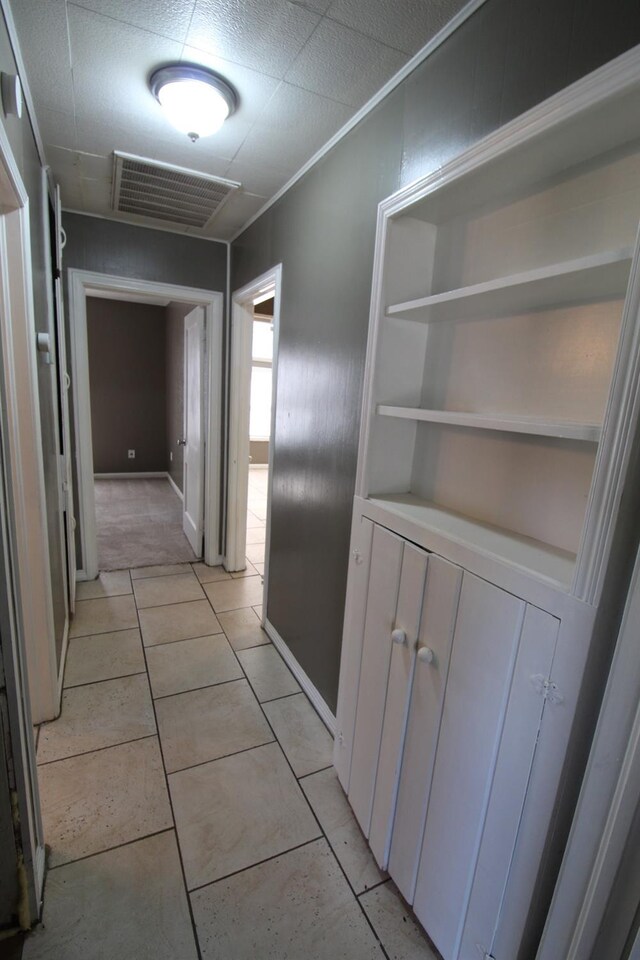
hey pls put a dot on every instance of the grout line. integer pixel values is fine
(234, 873)
(374, 886)
(108, 746)
(89, 683)
(285, 696)
(205, 686)
(172, 603)
(224, 756)
(117, 846)
(86, 636)
(173, 816)
(313, 772)
(167, 643)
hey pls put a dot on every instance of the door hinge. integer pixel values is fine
(546, 688)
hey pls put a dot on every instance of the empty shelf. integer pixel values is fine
(567, 429)
(528, 554)
(602, 276)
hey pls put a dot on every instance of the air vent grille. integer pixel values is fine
(163, 192)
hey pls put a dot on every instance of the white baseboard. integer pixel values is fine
(81, 576)
(175, 486)
(142, 475)
(63, 663)
(311, 691)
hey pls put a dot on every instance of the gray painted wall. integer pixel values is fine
(175, 314)
(508, 56)
(128, 385)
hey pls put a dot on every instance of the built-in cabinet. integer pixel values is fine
(500, 408)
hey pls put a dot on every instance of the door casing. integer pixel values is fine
(84, 283)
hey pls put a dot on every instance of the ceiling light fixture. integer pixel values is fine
(195, 100)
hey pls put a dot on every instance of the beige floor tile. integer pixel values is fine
(267, 672)
(255, 552)
(237, 811)
(330, 806)
(206, 724)
(162, 570)
(258, 507)
(301, 733)
(259, 569)
(207, 574)
(242, 628)
(98, 715)
(159, 591)
(124, 903)
(393, 921)
(258, 611)
(256, 535)
(103, 616)
(297, 905)
(112, 584)
(233, 594)
(249, 571)
(189, 664)
(178, 621)
(103, 657)
(100, 800)
(254, 523)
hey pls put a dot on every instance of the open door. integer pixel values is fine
(193, 440)
(65, 383)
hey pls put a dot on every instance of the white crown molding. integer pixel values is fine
(426, 51)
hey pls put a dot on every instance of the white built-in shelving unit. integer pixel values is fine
(500, 411)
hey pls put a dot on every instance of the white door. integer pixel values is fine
(64, 384)
(192, 521)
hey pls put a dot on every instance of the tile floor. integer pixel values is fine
(188, 798)
(189, 801)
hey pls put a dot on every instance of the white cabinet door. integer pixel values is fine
(382, 600)
(489, 726)
(403, 656)
(439, 610)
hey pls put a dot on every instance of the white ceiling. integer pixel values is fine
(301, 70)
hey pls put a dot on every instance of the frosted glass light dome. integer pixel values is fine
(196, 101)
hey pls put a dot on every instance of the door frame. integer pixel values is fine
(185, 407)
(239, 401)
(84, 283)
(27, 646)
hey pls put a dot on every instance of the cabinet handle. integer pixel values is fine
(398, 636)
(426, 654)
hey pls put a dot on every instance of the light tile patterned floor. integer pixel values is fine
(188, 796)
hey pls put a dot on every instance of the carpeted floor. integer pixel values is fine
(139, 523)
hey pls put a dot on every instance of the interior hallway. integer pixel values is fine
(188, 797)
(139, 523)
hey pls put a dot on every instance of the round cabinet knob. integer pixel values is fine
(399, 636)
(426, 654)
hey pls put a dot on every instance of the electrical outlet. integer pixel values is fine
(170, 454)
(131, 454)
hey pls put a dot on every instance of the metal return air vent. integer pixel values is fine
(164, 192)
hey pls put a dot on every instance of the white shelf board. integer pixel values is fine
(602, 276)
(525, 553)
(566, 429)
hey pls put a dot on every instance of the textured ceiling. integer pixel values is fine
(301, 70)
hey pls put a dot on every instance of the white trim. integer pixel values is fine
(607, 803)
(176, 489)
(138, 475)
(28, 647)
(371, 104)
(239, 394)
(83, 283)
(317, 701)
(63, 661)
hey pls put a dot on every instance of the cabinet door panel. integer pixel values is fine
(510, 781)
(436, 631)
(350, 658)
(412, 580)
(485, 644)
(384, 583)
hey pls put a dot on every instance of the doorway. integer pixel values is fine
(254, 345)
(148, 421)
